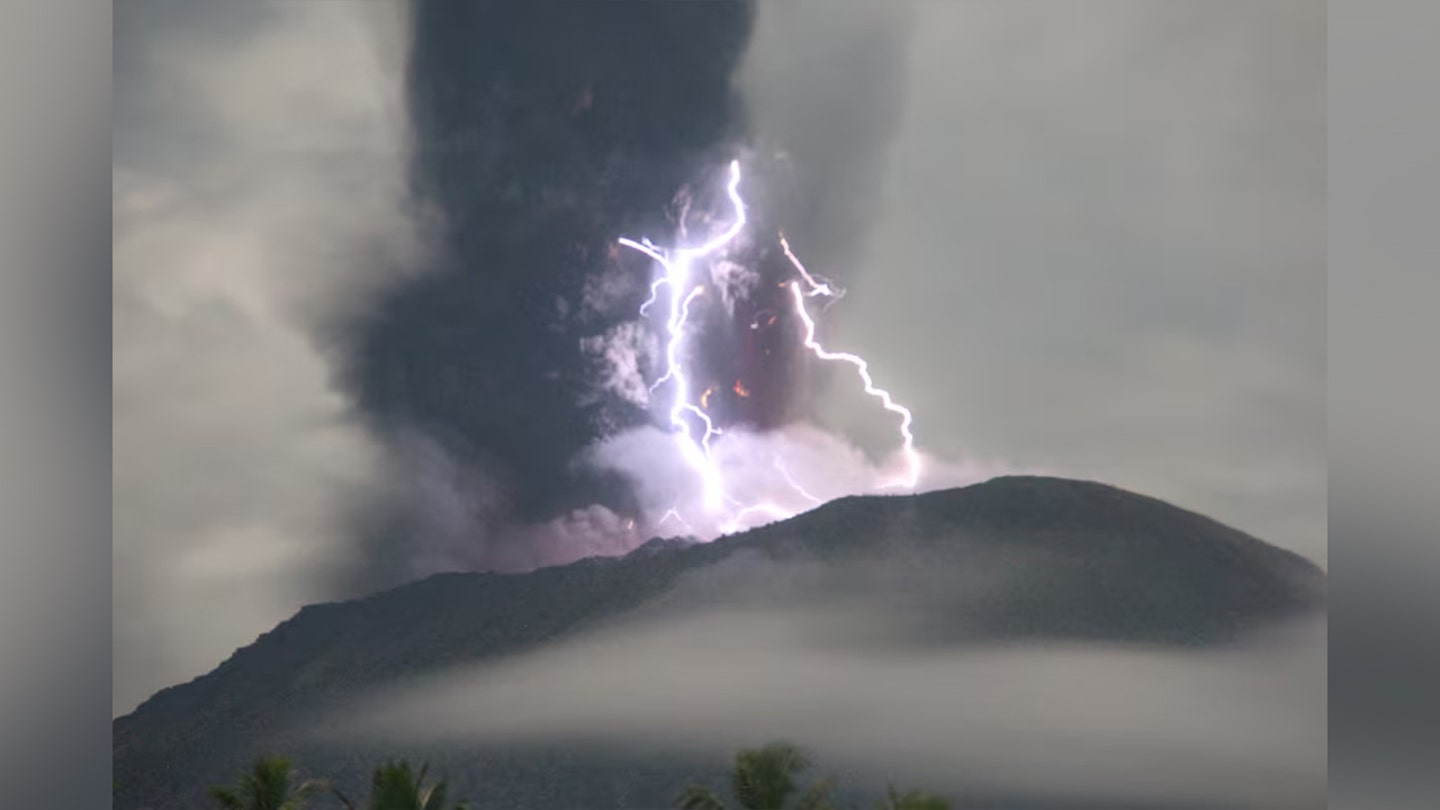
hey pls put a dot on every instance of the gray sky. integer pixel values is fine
(1081, 238)
(1097, 244)
(257, 169)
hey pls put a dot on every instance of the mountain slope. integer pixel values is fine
(1013, 558)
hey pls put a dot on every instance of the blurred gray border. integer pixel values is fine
(55, 403)
(1384, 127)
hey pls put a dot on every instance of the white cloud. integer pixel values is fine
(1086, 238)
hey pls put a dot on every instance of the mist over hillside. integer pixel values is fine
(1036, 642)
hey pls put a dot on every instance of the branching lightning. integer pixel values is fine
(912, 458)
(677, 277)
(736, 522)
(649, 249)
(823, 287)
(795, 485)
(693, 435)
(674, 514)
(817, 286)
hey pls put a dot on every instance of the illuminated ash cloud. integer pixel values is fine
(696, 424)
(622, 354)
(526, 354)
(539, 131)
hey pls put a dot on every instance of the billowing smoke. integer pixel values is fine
(711, 469)
(522, 379)
(372, 320)
(543, 131)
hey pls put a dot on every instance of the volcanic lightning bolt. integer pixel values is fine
(795, 485)
(677, 277)
(912, 458)
(693, 436)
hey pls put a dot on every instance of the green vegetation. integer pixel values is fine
(765, 778)
(270, 784)
(912, 800)
(395, 787)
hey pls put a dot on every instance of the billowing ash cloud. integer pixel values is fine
(520, 362)
(371, 319)
(372, 322)
(627, 356)
(824, 82)
(543, 132)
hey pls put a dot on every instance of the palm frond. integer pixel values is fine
(392, 787)
(699, 797)
(268, 783)
(817, 796)
(302, 794)
(913, 800)
(434, 797)
(226, 798)
(764, 778)
(343, 799)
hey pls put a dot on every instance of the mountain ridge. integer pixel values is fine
(1098, 563)
(1008, 484)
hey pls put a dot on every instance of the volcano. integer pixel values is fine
(1057, 559)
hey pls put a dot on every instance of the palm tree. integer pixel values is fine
(763, 779)
(396, 787)
(268, 785)
(912, 800)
